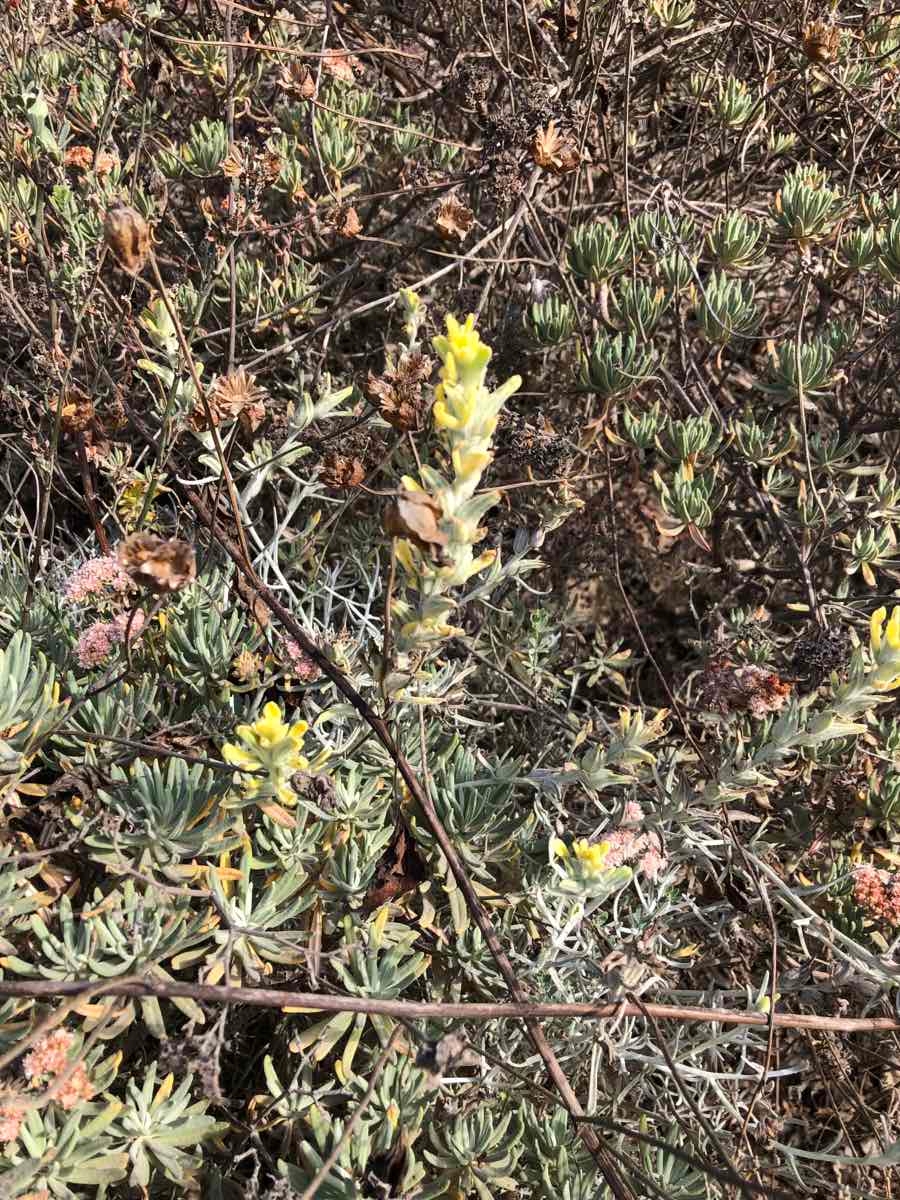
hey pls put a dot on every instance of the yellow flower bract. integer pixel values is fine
(270, 729)
(272, 748)
(462, 348)
(590, 856)
(878, 633)
(884, 642)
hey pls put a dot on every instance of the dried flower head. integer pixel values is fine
(246, 666)
(818, 652)
(50, 1055)
(161, 565)
(12, 1111)
(555, 151)
(821, 41)
(77, 411)
(298, 79)
(233, 163)
(627, 844)
(454, 220)
(340, 471)
(398, 392)
(345, 221)
(728, 688)
(51, 1058)
(342, 66)
(79, 157)
(234, 396)
(127, 235)
(105, 162)
(878, 892)
(76, 1088)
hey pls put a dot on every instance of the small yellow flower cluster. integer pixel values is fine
(272, 749)
(465, 413)
(885, 646)
(589, 858)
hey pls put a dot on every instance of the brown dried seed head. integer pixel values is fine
(821, 42)
(554, 151)
(235, 395)
(161, 565)
(341, 66)
(340, 471)
(246, 666)
(128, 236)
(346, 222)
(79, 157)
(453, 220)
(77, 411)
(298, 79)
(398, 393)
(726, 687)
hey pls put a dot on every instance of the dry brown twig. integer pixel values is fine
(412, 1010)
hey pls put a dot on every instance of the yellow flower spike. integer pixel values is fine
(271, 750)
(558, 848)
(876, 625)
(892, 632)
(465, 414)
(237, 756)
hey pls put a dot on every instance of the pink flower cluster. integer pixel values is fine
(12, 1115)
(878, 892)
(50, 1057)
(96, 643)
(94, 577)
(298, 661)
(627, 844)
(46, 1063)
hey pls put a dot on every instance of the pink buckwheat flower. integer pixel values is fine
(878, 892)
(12, 1114)
(627, 844)
(96, 643)
(94, 577)
(297, 661)
(75, 1089)
(50, 1055)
